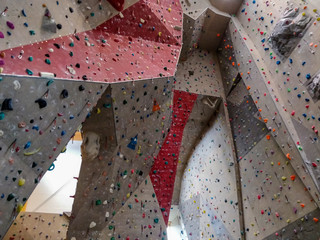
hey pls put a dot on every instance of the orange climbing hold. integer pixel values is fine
(293, 177)
(288, 156)
(268, 137)
(315, 220)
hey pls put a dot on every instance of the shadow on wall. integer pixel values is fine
(228, 6)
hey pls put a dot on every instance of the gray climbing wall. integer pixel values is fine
(131, 120)
(202, 112)
(32, 24)
(210, 176)
(38, 117)
(278, 163)
(30, 226)
(140, 217)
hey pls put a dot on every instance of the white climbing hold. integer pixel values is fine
(107, 214)
(47, 74)
(1, 133)
(73, 238)
(92, 225)
(16, 85)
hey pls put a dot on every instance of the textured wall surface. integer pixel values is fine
(38, 117)
(210, 175)
(248, 169)
(30, 226)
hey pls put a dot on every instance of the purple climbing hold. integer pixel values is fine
(10, 25)
(1, 35)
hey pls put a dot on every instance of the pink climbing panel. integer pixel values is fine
(163, 172)
(139, 44)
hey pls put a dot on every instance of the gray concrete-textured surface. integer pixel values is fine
(131, 135)
(35, 125)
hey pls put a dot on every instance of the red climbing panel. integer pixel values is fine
(163, 172)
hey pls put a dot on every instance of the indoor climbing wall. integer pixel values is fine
(140, 217)
(273, 113)
(141, 42)
(85, 41)
(200, 28)
(42, 226)
(199, 74)
(38, 117)
(121, 140)
(208, 188)
(202, 112)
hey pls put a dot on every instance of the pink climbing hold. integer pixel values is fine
(10, 25)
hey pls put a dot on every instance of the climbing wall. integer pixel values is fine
(30, 226)
(208, 188)
(140, 217)
(38, 117)
(85, 41)
(202, 112)
(273, 115)
(129, 138)
(199, 74)
(142, 42)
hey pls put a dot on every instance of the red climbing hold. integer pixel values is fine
(117, 4)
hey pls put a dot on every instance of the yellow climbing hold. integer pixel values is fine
(21, 182)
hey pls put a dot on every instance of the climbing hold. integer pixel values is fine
(7, 105)
(42, 103)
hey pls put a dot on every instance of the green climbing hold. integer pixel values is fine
(110, 227)
(30, 59)
(71, 44)
(2, 115)
(156, 220)
(50, 82)
(47, 61)
(98, 202)
(29, 72)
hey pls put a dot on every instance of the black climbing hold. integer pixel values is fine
(81, 88)
(71, 9)
(57, 45)
(64, 93)
(7, 105)
(78, 65)
(10, 197)
(42, 103)
(34, 165)
(77, 37)
(59, 26)
(84, 77)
